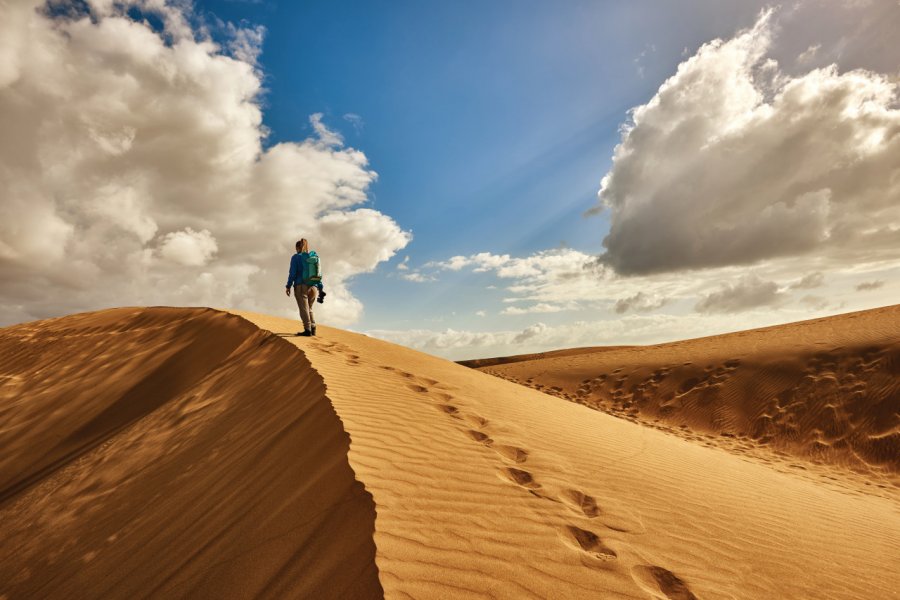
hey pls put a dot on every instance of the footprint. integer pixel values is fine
(658, 580)
(449, 409)
(418, 388)
(520, 477)
(476, 420)
(480, 437)
(590, 542)
(512, 453)
(581, 502)
(415, 377)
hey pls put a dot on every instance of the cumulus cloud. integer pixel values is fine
(869, 285)
(734, 161)
(530, 332)
(640, 302)
(326, 136)
(188, 247)
(246, 42)
(132, 168)
(748, 292)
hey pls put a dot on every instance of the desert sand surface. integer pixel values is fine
(825, 391)
(234, 479)
(166, 453)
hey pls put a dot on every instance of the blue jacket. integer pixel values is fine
(295, 273)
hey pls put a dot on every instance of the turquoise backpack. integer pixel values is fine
(312, 270)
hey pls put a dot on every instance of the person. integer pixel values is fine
(304, 292)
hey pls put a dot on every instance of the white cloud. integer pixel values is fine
(809, 54)
(326, 136)
(734, 162)
(132, 168)
(639, 59)
(531, 332)
(356, 121)
(188, 247)
(556, 264)
(630, 329)
(748, 292)
(640, 302)
(416, 277)
(541, 307)
(455, 263)
(246, 42)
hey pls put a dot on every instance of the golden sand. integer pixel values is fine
(190, 453)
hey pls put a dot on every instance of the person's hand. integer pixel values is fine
(287, 291)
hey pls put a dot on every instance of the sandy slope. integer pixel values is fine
(484, 488)
(478, 363)
(481, 487)
(826, 390)
(165, 453)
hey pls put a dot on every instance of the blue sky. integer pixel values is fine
(489, 124)
(744, 154)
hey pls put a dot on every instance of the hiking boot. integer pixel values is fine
(313, 330)
(305, 333)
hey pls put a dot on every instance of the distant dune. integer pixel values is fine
(478, 363)
(176, 453)
(825, 390)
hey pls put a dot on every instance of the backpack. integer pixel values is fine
(312, 270)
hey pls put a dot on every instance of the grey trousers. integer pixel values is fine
(306, 298)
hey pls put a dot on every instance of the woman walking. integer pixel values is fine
(304, 282)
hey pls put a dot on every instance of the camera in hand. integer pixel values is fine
(321, 296)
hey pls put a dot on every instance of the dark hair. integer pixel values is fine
(302, 245)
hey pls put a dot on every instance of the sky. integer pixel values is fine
(479, 178)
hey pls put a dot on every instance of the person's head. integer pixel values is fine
(302, 245)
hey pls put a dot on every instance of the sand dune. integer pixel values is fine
(162, 453)
(826, 390)
(482, 488)
(478, 363)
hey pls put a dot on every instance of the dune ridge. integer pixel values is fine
(825, 390)
(248, 481)
(488, 489)
(476, 363)
(158, 453)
